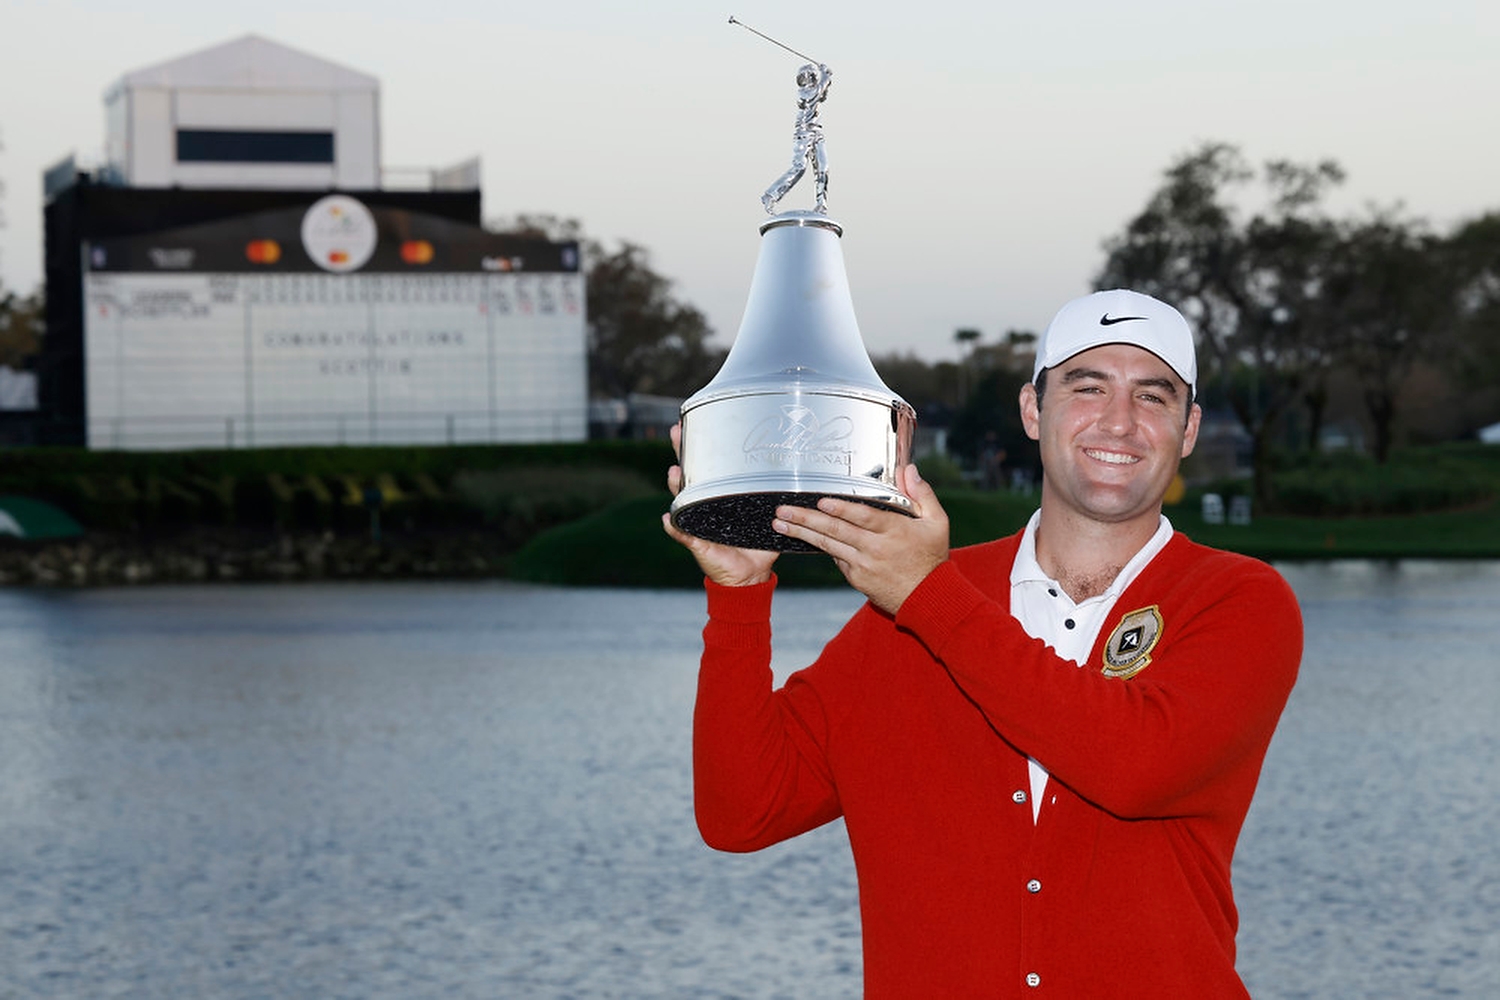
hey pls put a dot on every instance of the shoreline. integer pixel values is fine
(98, 560)
(623, 546)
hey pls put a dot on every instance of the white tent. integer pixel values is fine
(247, 113)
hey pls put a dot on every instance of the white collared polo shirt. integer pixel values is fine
(1046, 612)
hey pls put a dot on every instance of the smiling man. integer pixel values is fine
(1043, 747)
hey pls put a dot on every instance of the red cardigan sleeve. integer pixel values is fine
(760, 772)
(1159, 743)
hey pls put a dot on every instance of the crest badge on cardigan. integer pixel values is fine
(1128, 650)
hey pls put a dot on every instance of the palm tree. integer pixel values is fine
(967, 337)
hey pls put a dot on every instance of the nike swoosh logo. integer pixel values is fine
(1108, 320)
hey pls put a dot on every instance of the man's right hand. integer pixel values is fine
(723, 564)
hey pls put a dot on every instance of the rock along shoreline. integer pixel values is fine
(97, 560)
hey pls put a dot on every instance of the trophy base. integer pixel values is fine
(743, 520)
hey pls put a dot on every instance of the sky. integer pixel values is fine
(980, 153)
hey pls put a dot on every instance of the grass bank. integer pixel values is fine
(624, 545)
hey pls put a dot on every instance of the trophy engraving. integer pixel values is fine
(797, 435)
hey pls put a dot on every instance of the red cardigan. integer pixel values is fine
(916, 730)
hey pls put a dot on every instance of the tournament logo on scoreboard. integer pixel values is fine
(339, 233)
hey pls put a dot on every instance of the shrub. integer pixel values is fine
(1413, 482)
(941, 472)
(518, 502)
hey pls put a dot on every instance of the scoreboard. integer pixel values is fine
(337, 324)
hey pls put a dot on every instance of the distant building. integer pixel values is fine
(246, 114)
(239, 274)
(638, 417)
(17, 389)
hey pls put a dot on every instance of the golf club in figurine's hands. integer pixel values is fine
(797, 412)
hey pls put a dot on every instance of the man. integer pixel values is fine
(1043, 747)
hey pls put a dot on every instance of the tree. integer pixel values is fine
(1472, 253)
(975, 398)
(23, 322)
(1250, 288)
(1393, 300)
(991, 419)
(927, 387)
(967, 339)
(545, 226)
(640, 337)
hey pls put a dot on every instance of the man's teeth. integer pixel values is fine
(1113, 457)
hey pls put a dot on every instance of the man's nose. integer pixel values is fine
(1118, 416)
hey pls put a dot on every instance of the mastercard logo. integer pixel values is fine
(338, 256)
(416, 252)
(263, 251)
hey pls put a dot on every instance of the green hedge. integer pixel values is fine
(326, 488)
(1413, 481)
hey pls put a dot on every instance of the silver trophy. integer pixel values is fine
(797, 412)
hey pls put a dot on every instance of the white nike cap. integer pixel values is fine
(1120, 316)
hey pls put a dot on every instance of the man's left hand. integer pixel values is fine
(883, 554)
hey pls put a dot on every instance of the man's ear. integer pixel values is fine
(1190, 434)
(1031, 416)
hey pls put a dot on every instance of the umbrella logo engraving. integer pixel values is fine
(798, 437)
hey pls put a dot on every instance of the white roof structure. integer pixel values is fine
(249, 113)
(248, 63)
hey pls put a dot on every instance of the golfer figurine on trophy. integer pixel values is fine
(813, 82)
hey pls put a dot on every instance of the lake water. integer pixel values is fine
(482, 790)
